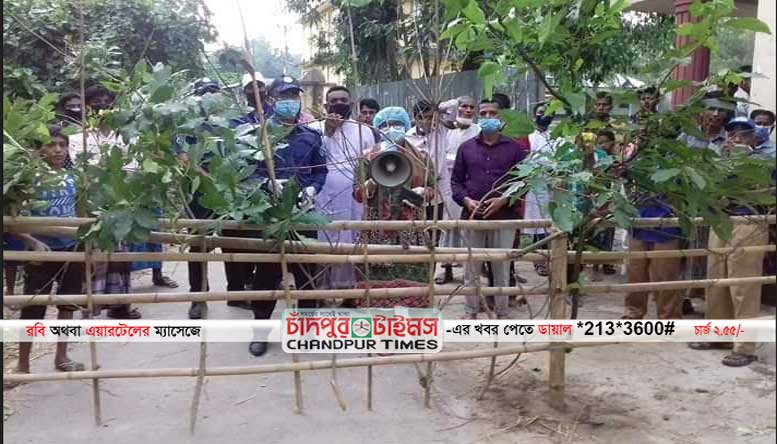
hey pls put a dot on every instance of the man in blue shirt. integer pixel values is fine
(298, 156)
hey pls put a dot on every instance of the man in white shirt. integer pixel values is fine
(430, 136)
(464, 130)
(344, 142)
(542, 147)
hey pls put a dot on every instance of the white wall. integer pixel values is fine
(763, 86)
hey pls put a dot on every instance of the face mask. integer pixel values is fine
(762, 132)
(490, 126)
(73, 113)
(341, 109)
(543, 121)
(463, 122)
(394, 135)
(286, 109)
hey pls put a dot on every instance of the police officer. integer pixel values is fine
(298, 156)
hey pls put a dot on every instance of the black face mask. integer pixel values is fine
(543, 121)
(341, 109)
(72, 114)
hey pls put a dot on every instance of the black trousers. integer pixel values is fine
(265, 276)
(197, 269)
(39, 277)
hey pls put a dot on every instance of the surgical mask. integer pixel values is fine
(490, 126)
(341, 109)
(463, 122)
(394, 134)
(286, 109)
(762, 132)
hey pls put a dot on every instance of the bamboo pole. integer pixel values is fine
(238, 243)
(501, 255)
(147, 298)
(203, 356)
(677, 285)
(558, 287)
(374, 224)
(290, 303)
(88, 274)
(310, 247)
(298, 366)
(81, 206)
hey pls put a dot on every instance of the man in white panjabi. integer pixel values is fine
(536, 202)
(344, 141)
(464, 130)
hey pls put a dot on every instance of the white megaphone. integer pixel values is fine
(391, 168)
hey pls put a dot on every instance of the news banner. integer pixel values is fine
(397, 330)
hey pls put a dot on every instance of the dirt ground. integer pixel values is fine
(632, 393)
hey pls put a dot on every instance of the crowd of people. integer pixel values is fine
(458, 157)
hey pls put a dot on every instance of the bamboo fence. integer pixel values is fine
(310, 252)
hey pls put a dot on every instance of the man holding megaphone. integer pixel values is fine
(395, 180)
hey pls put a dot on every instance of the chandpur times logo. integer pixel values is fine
(398, 330)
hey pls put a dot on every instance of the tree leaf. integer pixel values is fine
(473, 12)
(517, 123)
(146, 218)
(664, 175)
(695, 177)
(150, 166)
(748, 24)
(487, 69)
(563, 218)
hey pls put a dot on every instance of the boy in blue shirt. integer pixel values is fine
(39, 276)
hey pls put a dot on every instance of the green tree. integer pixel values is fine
(569, 42)
(736, 49)
(41, 40)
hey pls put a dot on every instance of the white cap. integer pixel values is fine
(247, 78)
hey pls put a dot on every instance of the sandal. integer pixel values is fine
(124, 313)
(738, 360)
(446, 277)
(710, 346)
(69, 366)
(165, 281)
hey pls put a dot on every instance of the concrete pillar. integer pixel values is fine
(699, 68)
(762, 88)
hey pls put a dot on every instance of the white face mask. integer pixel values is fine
(464, 122)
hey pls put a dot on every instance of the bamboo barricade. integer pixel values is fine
(319, 253)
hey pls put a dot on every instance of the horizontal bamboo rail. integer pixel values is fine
(369, 225)
(421, 290)
(502, 255)
(263, 295)
(309, 247)
(296, 366)
(271, 258)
